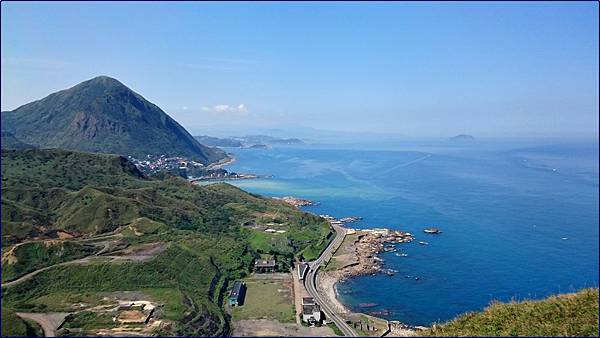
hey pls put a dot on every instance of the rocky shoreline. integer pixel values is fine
(361, 258)
(368, 245)
(295, 201)
(356, 256)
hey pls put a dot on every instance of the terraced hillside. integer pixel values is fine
(86, 231)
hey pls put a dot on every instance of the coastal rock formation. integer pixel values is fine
(368, 245)
(297, 202)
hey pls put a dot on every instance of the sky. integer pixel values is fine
(411, 69)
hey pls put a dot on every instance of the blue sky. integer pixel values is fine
(414, 69)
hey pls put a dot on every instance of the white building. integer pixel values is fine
(311, 311)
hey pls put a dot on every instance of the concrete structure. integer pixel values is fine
(311, 311)
(265, 265)
(302, 270)
(238, 292)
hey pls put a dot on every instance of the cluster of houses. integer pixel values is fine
(154, 164)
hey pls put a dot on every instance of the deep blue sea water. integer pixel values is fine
(504, 208)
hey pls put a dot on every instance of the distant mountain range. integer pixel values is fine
(218, 142)
(102, 115)
(246, 141)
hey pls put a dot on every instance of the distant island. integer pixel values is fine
(259, 146)
(463, 138)
(248, 141)
(219, 142)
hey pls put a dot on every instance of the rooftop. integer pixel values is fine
(237, 287)
(265, 263)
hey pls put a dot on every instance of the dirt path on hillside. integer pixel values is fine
(33, 273)
(144, 253)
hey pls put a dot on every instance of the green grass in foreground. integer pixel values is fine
(13, 325)
(573, 314)
(89, 320)
(269, 299)
(335, 329)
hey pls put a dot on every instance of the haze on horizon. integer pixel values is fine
(413, 69)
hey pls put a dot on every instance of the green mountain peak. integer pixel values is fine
(103, 115)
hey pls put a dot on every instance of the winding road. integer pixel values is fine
(310, 282)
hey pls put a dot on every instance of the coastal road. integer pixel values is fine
(310, 282)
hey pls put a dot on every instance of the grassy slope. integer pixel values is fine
(32, 256)
(86, 194)
(564, 315)
(14, 326)
(91, 193)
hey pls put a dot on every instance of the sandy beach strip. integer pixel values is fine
(326, 284)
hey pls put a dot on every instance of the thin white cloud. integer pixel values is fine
(221, 108)
(240, 109)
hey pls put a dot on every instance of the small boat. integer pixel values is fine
(416, 278)
(565, 238)
(401, 255)
(423, 243)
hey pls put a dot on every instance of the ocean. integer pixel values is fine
(519, 218)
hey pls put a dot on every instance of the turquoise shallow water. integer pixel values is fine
(504, 208)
